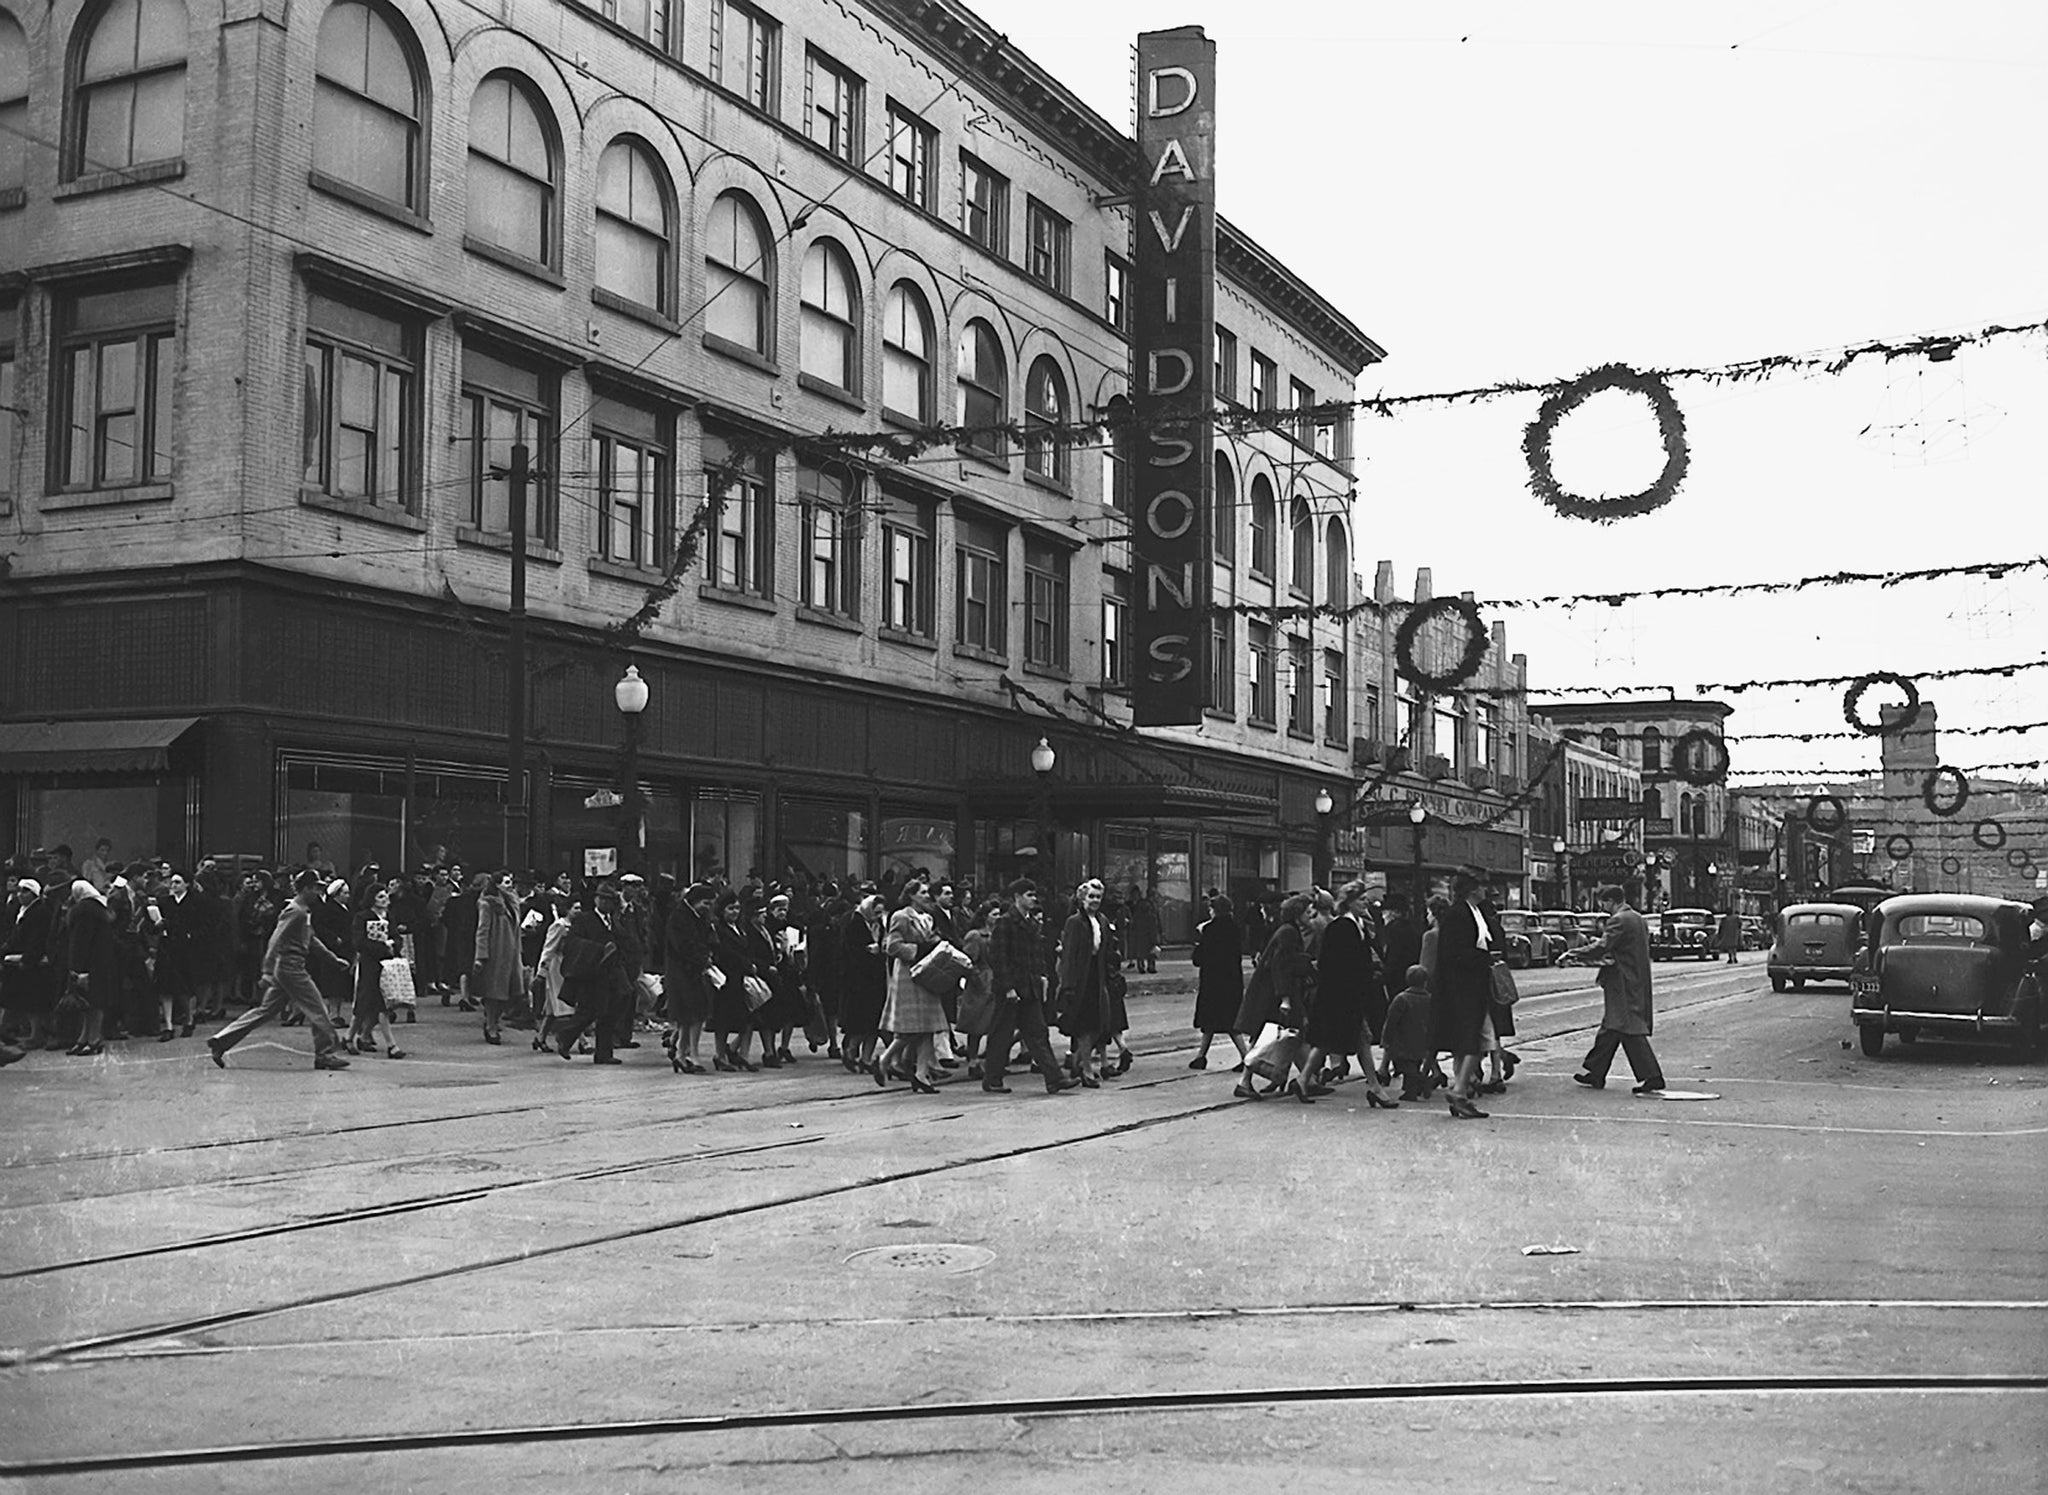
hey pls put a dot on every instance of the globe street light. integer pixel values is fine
(1325, 853)
(1564, 875)
(1417, 813)
(630, 695)
(1042, 760)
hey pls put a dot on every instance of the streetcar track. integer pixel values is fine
(1115, 1404)
(66, 1350)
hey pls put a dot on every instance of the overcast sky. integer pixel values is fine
(1499, 191)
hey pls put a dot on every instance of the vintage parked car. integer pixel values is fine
(1947, 963)
(1816, 942)
(1591, 926)
(1520, 927)
(1756, 934)
(1560, 931)
(1684, 934)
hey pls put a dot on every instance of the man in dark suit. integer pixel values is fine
(594, 977)
(1623, 954)
(1467, 945)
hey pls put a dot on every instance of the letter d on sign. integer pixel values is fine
(1156, 107)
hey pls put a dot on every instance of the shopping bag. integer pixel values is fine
(394, 982)
(1276, 1052)
(817, 1032)
(758, 992)
(940, 972)
(1504, 991)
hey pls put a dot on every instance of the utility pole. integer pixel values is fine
(515, 675)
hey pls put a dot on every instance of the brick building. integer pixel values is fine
(285, 287)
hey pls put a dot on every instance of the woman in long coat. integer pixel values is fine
(210, 954)
(732, 1020)
(375, 943)
(912, 1016)
(686, 966)
(31, 964)
(1461, 991)
(93, 959)
(1083, 1004)
(1281, 988)
(863, 981)
(1346, 970)
(1219, 957)
(497, 977)
(174, 986)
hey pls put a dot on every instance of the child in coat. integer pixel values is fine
(1408, 1041)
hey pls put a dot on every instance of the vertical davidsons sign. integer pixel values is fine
(1173, 337)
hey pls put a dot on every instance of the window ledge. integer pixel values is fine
(1255, 574)
(369, 202)
(905, 422)
(830, 391)
(823, 619)
(730, 598)
(1264, 724)
(127, 176)
(547, 275)
(362, 508)
(1048, 671)
(484, 539)
(1218, 714)
(105, 498)
(625, 571)
(1300, 736)
(975, 651)
(613, 301)
(907, 640)
(12, 198)
(727, 348)
(1051, 485)
(986, 459)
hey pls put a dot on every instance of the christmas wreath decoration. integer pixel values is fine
(1477, 641)
(1988, 834)
(1932, 783)
(1567, 398)
(1853, 697)
(1899, 846)
(1952, 866)
(2020, 859)
(1827, 824)
(1700, 757)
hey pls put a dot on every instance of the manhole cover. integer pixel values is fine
(928, 1258)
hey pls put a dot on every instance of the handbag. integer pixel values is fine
(757, 991)
(1504, 991)
(394, 982)
(1276, 1052)
(940, 971)
(817, 1031)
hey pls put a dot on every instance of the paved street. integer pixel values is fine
(485, 1269)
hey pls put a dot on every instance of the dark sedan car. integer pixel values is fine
(1946, 963)
(1816, 942)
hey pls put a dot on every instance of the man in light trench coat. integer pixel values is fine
(1623, 955)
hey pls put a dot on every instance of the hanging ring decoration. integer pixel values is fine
(1827, 824)
(2020, 859)
(1988, 834)
(1951, 866)
(1930, 787)
(1909, 712)
(1477, 641)
(1899, 846)
(1700, 757)
(1567, 398)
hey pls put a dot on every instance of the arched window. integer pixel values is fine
(1337, 561)
(1045, 405)
(1265, 518)
(1653, 750)
(366, 105)
(13, 109)
(1116, 465)
(1684, 814)
(737, 275)
(1225, 517)
(984, 389)
(129, 104)
(513, 170)
(1301, 526)
(907, 354)
(1653, 804)
(634, 226)
(831, 318)
(1610, 740)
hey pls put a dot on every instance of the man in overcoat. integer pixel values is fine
(594, 976)
(1623, 955)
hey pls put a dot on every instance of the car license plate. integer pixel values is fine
(1815, 949)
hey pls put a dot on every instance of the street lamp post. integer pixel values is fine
(1325, 851)
(1713, 884)
(1563, 854)
(631, 696)
(1417, 813)
(1042, 760)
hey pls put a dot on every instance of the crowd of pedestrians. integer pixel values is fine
(903, 981)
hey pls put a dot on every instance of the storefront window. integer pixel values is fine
(1173, 886)
(823, 839)
(725, 835)
(83, 815)
(357, 810)
(1125, 859)
(576, 829)
(914, 840)
(1215, 868)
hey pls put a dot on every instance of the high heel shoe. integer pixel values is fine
(881, 1075)
(1464, 1110)
(691, 1067)
(1380, 1103)
(1294, 1089)
(923, 1087)
(1246, 1091)
(675, 1060)
(722, 1064)
(1088, 1081)
(87, 1050)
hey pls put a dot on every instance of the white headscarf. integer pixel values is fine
(82, 890)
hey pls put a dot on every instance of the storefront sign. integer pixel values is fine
(1609, 807)
(600, 861)
(1173, 334)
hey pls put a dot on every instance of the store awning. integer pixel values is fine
(121, 745)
